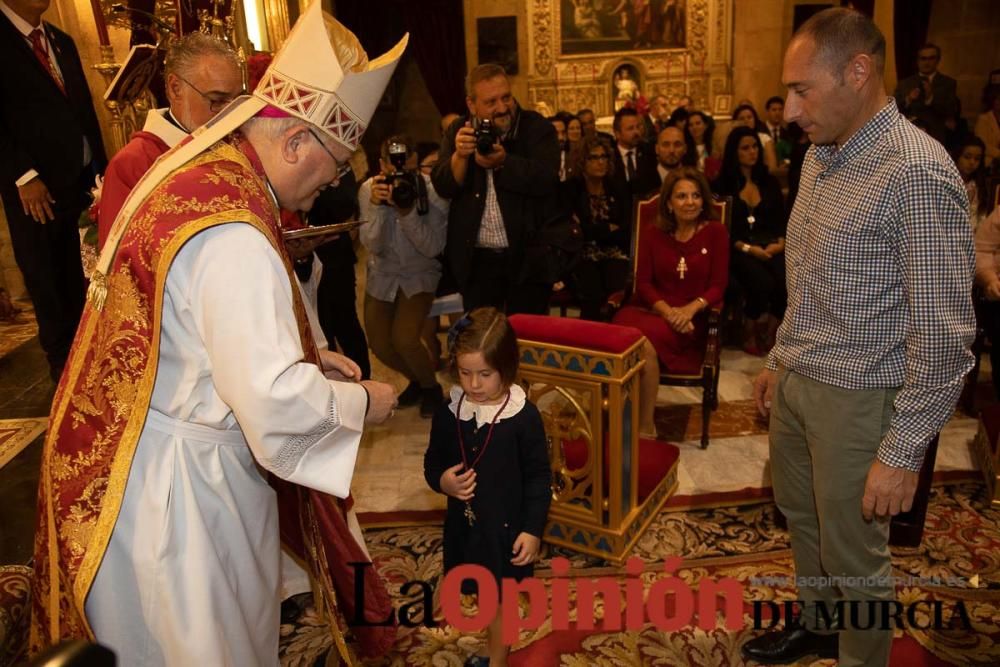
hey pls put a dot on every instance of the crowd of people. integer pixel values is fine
(205, 352)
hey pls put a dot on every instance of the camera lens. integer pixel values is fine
(485, 137)
(403, 191)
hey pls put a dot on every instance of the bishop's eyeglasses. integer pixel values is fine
(342, 169)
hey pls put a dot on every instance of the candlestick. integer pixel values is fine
(102, 27)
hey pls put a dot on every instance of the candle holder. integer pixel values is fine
(108, 68)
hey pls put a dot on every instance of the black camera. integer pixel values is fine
(486, 136)
(408, 187)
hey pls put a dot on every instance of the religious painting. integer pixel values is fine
(627, 86)
(616, 26)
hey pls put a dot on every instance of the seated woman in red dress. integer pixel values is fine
(683, 267)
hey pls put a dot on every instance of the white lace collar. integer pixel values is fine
(484, 414)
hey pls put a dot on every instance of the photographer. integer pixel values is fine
(500, 169)
(404, 235)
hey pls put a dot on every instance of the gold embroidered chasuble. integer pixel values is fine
(103, 397)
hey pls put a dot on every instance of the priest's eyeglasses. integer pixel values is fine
(342, 169)
(216, 101)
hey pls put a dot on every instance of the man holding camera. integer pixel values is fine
(404, 236)
(500, 169)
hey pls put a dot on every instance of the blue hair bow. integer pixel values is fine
(457, 328)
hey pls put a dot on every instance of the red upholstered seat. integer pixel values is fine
(599, 336)
(655, 460)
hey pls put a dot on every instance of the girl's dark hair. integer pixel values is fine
(666, 220)
(731, 179)
(709, 128)
(757, 125)
(485, 330)
(979, 176)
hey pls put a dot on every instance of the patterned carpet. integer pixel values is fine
(16, 434)
(961, 540)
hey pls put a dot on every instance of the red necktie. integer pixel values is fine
(42, 53)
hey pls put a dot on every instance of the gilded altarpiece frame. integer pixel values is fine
(702, 69)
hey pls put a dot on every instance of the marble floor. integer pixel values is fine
(389, 472)
(25, 392)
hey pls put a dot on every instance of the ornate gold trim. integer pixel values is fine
(133, 429)
(121, 467)
(701, 69)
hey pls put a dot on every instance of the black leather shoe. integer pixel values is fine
(788, 645)
(409, 396)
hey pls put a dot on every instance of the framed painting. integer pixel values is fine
(723, 105)
(616, 26)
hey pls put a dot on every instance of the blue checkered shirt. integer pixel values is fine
(880, 261)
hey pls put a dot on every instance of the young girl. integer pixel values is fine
(487, 453)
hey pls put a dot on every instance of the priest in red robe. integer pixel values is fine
(202, 76)
(196, 420)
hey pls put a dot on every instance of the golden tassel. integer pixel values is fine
(98, 290)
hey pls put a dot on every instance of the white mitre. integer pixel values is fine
(321, 75)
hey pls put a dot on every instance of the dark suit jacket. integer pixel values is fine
(527, 188)
(646, 179)
(944, 103)
(40, 128)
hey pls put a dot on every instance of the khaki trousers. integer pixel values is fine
(394, 329)
(823, 440)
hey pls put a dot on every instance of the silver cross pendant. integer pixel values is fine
(470, 516)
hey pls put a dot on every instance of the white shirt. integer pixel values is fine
(157, 123)
(402, 249)
(635, 161)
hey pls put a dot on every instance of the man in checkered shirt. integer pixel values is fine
(871, 356)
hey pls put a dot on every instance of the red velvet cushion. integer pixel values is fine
(655, 460)
(598, 336)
